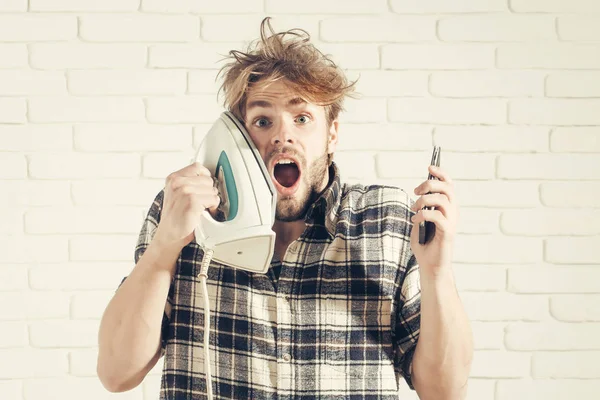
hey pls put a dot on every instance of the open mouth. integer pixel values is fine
(286, 172)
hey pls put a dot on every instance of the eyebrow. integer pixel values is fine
(265, 104)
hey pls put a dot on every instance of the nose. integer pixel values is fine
(282, 134)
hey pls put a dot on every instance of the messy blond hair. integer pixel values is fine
(290, 56)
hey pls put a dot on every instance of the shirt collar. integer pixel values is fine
(323, 211)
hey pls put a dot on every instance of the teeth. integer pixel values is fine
(285, 161)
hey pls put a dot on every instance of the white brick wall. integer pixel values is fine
(442, 7)
(139, 28)
(37, 28)
(563, 307)
(554, 6)
(13, 55)
(504, 28)
(547, 55)
(13, 111)
(436, 56)
(80, 55)
(571, 364)
(83, 5)
(578, 29)
(115, 82)
(389, 28)
(13, 5)
(100, 100)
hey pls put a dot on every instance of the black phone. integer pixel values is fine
(427, 228)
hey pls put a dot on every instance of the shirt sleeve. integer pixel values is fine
(146, 234)
(408, 321)
(408, 313)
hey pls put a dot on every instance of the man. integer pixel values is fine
(352, 302)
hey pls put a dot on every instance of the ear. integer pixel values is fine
(333, 136)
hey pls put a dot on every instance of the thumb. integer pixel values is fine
(216, 213)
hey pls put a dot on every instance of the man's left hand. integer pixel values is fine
(435, 256)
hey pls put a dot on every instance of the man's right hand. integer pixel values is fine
(187, 194)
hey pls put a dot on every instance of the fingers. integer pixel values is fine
(437, 200)
(194, 169)
(436, 193)
(435, 216)
(440, 174)
(205, 201)
(193, 174)
(435, 186)
(191, 202)
(198, 193)
(193, 186)
(202, 182)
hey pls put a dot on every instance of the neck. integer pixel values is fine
(287, 232)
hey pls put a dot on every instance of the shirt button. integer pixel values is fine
(287, 358)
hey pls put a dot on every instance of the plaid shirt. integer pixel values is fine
(337, 318)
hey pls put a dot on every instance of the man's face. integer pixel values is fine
(283, 128)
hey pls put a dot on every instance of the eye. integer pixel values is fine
(303, 119)
(261, 122)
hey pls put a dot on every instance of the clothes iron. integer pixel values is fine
(244, 239)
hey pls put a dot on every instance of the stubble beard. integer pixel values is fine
(294, 208)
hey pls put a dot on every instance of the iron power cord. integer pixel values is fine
(208, 254)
